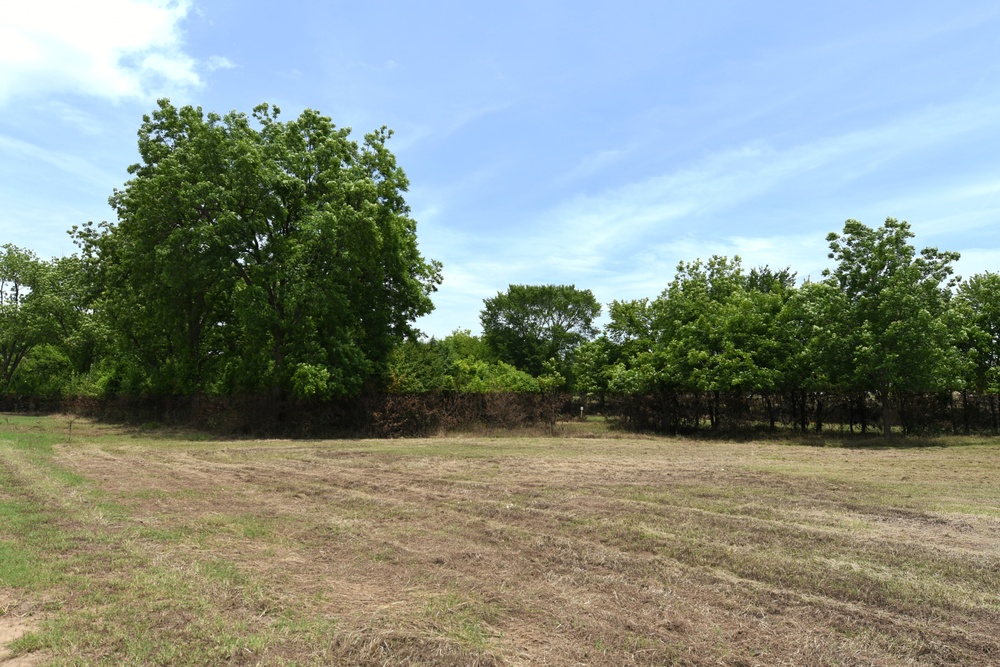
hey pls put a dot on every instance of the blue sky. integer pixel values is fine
(586, 143)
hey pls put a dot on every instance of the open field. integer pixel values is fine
(121, 547)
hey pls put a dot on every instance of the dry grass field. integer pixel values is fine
(592, 548)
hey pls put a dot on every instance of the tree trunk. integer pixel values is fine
(864, 414)
(713, 411)
(965, 410)
(803, 417)
(993, 412)
(819, 415)
(886, 423)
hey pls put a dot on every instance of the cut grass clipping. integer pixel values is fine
(144, 547)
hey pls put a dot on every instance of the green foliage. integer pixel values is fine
(253, 254)
(897, 306)
(900, 334)
(45, 371)
(25, 310)
(814, 332)
(977, 311)
(309, 381)
(591, 363)
(631, 326)
(881, 321)
(461, 344)
(479, 377)
(460, 363)
(419, 366)
(714, 328)
(529, 324)
(551, 380)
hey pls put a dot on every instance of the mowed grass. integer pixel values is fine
(137, 548)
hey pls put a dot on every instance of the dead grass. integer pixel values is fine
(595, 549)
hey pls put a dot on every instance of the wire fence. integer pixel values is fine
(732, 414)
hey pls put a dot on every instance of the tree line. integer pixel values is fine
(254, 256)
(884, 322)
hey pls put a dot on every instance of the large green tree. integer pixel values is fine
(252, 254)
(529, 325)
(713, 329)
(900, 334)
(978, 307)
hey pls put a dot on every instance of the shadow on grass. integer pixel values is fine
(833, 437)
(876, 441)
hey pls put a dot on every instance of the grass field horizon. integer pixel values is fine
(137, 547)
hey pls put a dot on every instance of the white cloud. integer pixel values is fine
(219, 62)
(106, 48)
(594, 164)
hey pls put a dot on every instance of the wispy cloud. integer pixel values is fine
(72, 116)
(214, 63)
(115, 49)
(674, 203)
(594, 164)
(83, 170)
(449, 122)
(625, 242)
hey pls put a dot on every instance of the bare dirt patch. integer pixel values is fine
(14, 623)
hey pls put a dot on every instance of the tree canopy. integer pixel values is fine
(528, 325)
(252, 254)
(900, 336)
(24, 316)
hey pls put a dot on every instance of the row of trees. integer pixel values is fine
(255, 256)
(885, 320)
(531, 336)
(125, 317)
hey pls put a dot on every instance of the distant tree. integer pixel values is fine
(631, 326)
(462, 344)
(978, 309)
(80, 336)
(25, 321)
(690, 323)
(715, 328)
(528, 325)
(632, 334)
(460, 362)
(897, 310)
(252, 254)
